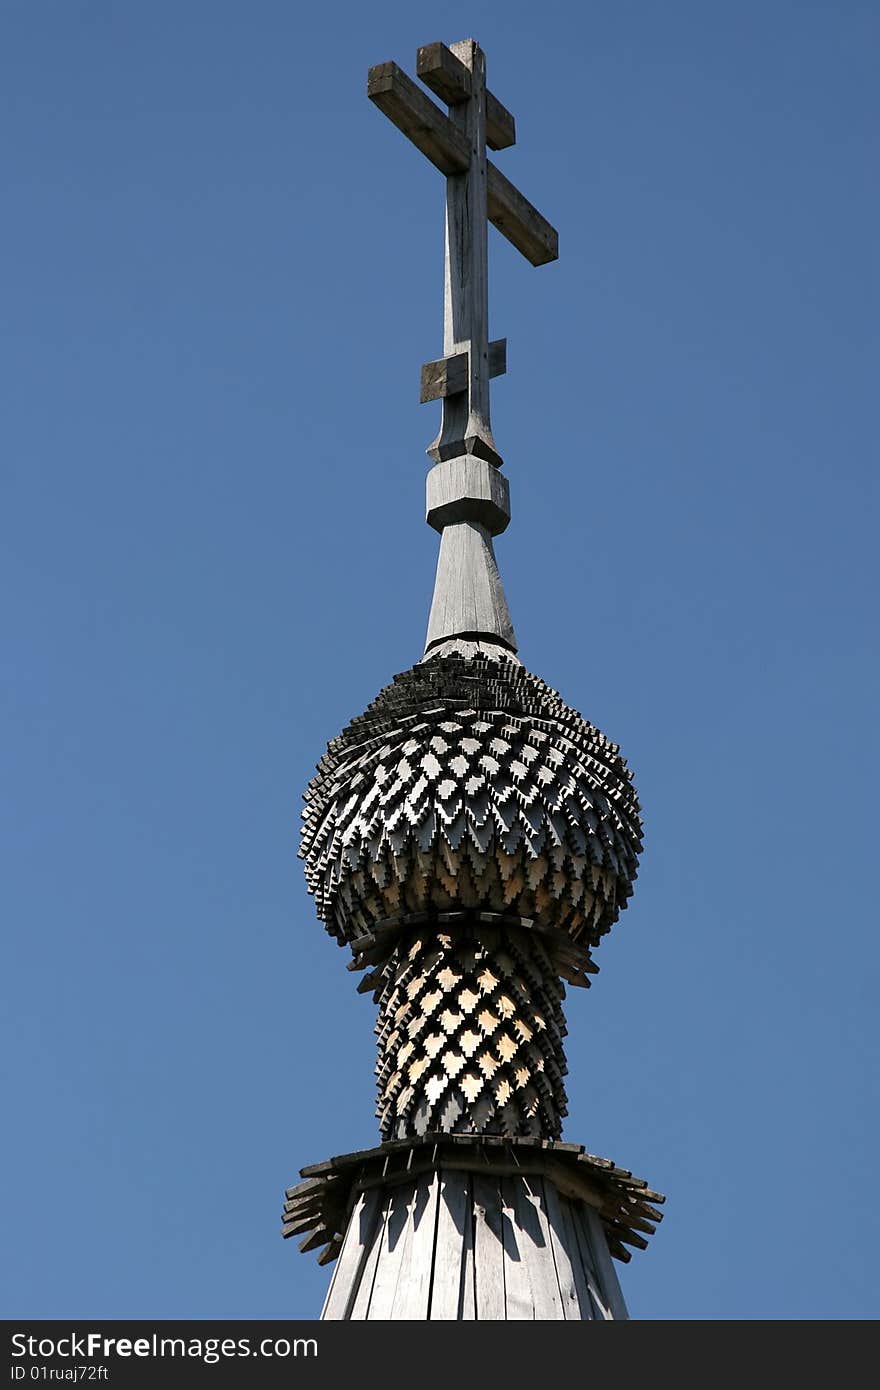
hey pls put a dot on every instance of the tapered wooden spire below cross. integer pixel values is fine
(476, 192)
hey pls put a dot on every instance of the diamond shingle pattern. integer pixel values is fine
(491, 1061)
(469, 783)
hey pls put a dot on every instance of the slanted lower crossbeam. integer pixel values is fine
(449, 375)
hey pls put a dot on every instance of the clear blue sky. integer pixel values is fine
(222, 269)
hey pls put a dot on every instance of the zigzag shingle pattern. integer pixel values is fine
(470, 1035)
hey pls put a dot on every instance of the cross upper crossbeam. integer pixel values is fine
(450, 79)
(476, 193)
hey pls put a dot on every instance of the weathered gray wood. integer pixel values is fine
(467, 489)
(476, 192)
(417, 116)
(343, 1285)
(651, 1212)
(576, 1304)
(500, 125)
(635, 1221)
(447, 375)
(605, 1265)
(532, 1219)
(598, 1297)
(488, 1250)
(444, 377)
(519, 221)
(518, 1251)
(436, 1242)
(392, 1251)
(319, 1236)
(296, 1225)
(498, 357)
(412, 1297)
(312, 1201)
(400, 1256)
(452, 1289)
(447, 75)
(342, 840)
(572, 1184)
(303, 1189)
(444, 72)
(360, 1307)
(573, 1187)
(465, 425)
(469, 597)
(628, 1237)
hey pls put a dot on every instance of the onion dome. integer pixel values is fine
(468, 783)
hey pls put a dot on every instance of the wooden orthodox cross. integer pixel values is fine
(475, 191)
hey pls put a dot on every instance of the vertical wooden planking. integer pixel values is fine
(451, 1246)
(346, 1275)
(453, 1233)
(468, 1306)
(595, 1284)
(534, 1228)
(488, 1249)
(573, 1289)
(360, 1308)
(412, 1296)
(394, 1251)
(605, 1265)
(518, 1253)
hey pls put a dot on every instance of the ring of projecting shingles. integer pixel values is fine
(469, 783)
(470, 1033)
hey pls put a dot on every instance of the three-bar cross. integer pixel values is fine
(476, 193)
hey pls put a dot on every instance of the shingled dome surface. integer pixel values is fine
(470, 783)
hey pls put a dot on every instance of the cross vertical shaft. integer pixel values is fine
(465, 426)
